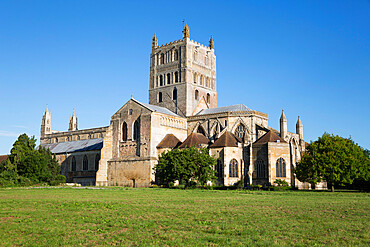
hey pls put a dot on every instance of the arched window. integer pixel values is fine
(124, 131)
(239, 131)
(201, 80)
(160, 97)
(261, 168)
(174, 94)
(219, 169)
(195, 78)
(168, 78)
(233, 169)
(73, 164)
(161, 80)
(176, 76)
(207, 82)
(85, 163)
(280, 168)
(162, 59)
(97, 158)
(208, 98)
(136, 130)
(176, 55)
(196, 94)
(201, 130)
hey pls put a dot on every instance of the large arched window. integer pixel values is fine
(85, 163)
(174, 94)
(160, 97)
(124, 131)
(233, 169)
(176, 55)
(161, 80)
(219, 169)
(196, 95)
(168, 78)
(97, 158)
(261, 168)
(73, 164)
(239, 131)
(162, 58)
(176, 76)
(136, 130)
(280, 168)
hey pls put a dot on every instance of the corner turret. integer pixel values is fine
(73, 122)
(299, 128)
(283, 125)
(154, 42)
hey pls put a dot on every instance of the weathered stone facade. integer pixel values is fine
(182, 101)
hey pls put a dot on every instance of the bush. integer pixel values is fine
(281, 182)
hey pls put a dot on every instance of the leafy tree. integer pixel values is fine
(334, 159)
(26, 164)
(188, 165)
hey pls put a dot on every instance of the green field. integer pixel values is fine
(160, 217)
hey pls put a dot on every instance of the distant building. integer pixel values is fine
(182, 111)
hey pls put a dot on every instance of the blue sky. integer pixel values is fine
(310, 58)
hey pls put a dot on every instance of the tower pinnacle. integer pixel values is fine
(154, 42)
(211, 43)
(185, 32)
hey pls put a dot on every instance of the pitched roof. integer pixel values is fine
(3, 158)
(157, 108)
(194, 139)
(269, 137)
(75, 146)
(169, 141)
(226, 140)
(230, 108)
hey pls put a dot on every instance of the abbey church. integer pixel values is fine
(182, 112)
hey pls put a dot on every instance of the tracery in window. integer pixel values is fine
(219, 169)
(239, 131)
(233, 169)
(261, 168)
(280, 168)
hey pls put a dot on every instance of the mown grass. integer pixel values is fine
(160, 217)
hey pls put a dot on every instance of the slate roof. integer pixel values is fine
(227, 139)
(75, 146)
(194, 139)
(169, 141)
(157, 108)
(269, 137)
(230, 108)
(3, 158)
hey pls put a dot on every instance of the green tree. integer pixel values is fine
(188, 165)
(334, 159)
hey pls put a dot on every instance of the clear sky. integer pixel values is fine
(310, 58)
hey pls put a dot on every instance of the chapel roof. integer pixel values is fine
(194, 139)
(169, 141)
(230, 108)
(227, 139)
(3, 158)
(269, 137)
(157, 108)
(74, 146)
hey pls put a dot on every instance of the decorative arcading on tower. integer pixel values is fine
(185, 32)
(154, 42)
(46, 122)
(73, 122)
(283, 125)
(211, 43)
(299, 128)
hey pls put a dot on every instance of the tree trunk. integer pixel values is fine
(332, 188)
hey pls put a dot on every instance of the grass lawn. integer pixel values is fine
(147, 217)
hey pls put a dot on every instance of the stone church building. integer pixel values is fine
(182, 112)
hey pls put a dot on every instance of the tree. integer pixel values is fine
(334, 159)
(188, 165)
(36, 165)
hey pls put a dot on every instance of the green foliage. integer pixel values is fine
(281, 182)
(189, 166)
(334, 159)
(27, 165)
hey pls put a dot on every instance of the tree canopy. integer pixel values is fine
(188, 166)
(334, 159)
(27, 165)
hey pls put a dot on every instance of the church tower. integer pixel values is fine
(73, 122)
(46, 122)
(183, 75)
